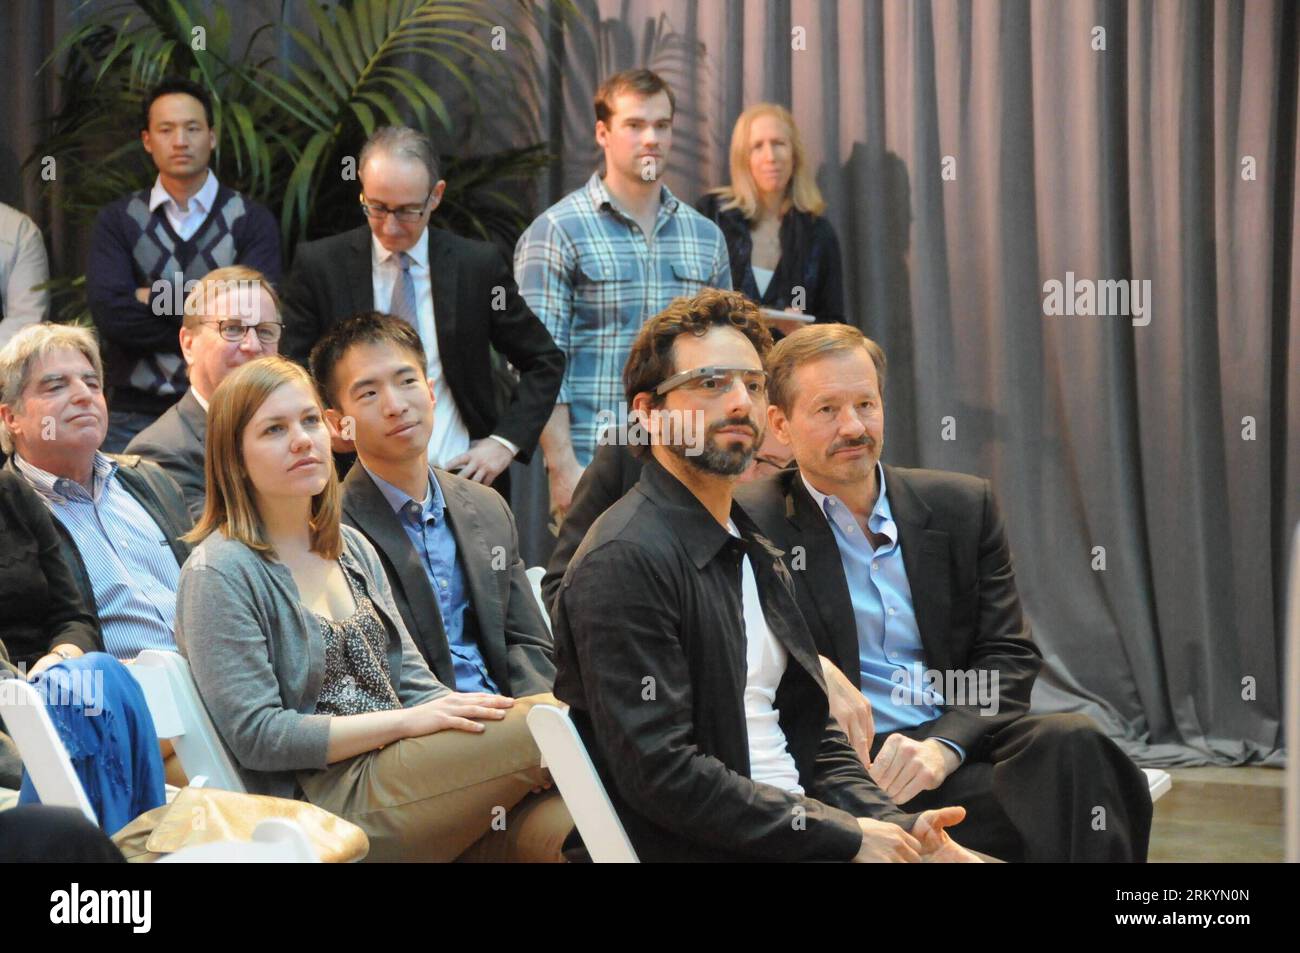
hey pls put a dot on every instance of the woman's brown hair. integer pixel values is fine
(231, 505)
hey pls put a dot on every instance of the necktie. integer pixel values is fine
(402, 304)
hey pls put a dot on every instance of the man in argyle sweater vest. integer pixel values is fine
(147, 245)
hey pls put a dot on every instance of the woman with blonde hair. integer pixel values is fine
(301, 656)
(784, 253)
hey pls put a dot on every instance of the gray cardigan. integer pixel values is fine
(259, 660)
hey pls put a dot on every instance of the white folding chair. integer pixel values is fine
(41, 748)
(179, 716)
(276, 840)
(580, 786)
(1158, 783)
(535, 574)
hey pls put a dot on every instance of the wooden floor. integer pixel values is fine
(1219, 814)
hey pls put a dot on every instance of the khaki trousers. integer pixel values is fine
(441, 796)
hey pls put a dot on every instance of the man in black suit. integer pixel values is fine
(449, 545)
(459, 294)
(690, 674)
(232, 316)
(905, 579)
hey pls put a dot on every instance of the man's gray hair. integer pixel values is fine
(404, 142)
(34, 343)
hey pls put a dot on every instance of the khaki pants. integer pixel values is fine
(432, 798)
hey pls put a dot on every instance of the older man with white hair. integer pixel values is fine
(120, 517)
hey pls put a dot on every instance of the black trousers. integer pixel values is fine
(1046, 788)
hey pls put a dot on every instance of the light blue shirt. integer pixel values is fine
(890, 653)
(131, 567)
(426, 526)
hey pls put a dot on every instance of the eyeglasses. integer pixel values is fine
(408, 214)
(715, 381)
(233, 330)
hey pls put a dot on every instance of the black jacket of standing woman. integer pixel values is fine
(773, 207)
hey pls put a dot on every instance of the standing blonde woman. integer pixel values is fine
(302, 659)
(784, 253)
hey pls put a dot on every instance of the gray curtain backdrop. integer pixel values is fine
(1104, 139)
(972, 151)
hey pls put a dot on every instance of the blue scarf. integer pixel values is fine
(100, 712)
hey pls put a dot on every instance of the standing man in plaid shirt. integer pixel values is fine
(603, 260)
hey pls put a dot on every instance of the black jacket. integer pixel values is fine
(156, 492)
(41, 604)
(511, 632)
(650, 650)
(612, 472)
(810, 259)
(331, 279)
(958, 567)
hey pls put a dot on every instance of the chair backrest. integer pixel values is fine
(44, 756)
(535, 574)
(1158, 783)
(179, 715)
(580, 786)
(276, 840)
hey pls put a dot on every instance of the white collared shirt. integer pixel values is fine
(185, 223)
(450, 435)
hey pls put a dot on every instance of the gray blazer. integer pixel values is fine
(175, 442)
(259, 659)
(513, 635)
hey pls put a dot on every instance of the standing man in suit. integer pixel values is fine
(231, 317)
(448, 544)
(905, 578)
(459, 295)
(689, 671)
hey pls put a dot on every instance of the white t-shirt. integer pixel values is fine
(765, 661)
(762, 278)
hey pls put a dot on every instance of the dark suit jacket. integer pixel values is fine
(958, 568)
(331, 279)
(810, 259)
(175, 442)
(612, 472)
(156, 492)
(654, 593)
(42, 605)
(513, 636)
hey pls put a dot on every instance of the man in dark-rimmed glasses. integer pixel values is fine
(232, 316)
(689, 671)
(460, 296)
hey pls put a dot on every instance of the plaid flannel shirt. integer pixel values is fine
(586, 270)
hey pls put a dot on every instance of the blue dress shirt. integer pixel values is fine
(132, 570)
(891, 658)
(429, 532)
